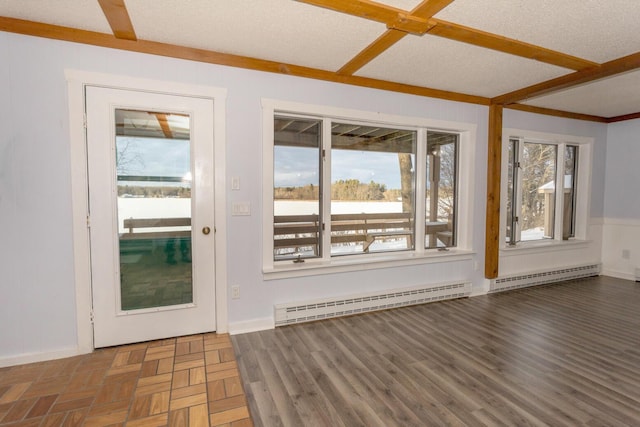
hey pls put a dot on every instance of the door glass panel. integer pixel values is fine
(153, 168)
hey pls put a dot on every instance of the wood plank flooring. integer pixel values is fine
(185, 381)
(559, 355)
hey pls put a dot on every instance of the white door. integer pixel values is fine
(151, 214)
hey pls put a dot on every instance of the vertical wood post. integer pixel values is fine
(494, 160)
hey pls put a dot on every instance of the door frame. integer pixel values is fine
(77, 81)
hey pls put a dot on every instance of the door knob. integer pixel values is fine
(206, 230)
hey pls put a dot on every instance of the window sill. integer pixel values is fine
(541, 246)
(288, 269)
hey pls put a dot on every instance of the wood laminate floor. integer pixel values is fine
(559, 355)
(186, 381)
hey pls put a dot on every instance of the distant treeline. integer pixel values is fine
(158, 192)
(350, 189)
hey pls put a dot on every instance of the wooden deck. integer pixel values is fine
(558, 355)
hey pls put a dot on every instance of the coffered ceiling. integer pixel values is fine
(577, 58)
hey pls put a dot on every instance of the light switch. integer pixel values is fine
(235, 183)
(240, 208)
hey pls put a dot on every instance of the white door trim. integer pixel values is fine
(76, 82)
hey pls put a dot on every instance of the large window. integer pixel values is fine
(347, 187)
(541, 190)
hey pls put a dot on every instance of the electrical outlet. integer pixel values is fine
(235, 291)
(626, 254)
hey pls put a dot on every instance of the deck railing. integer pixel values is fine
(300, 234)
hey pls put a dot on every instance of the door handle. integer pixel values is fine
(206, 230)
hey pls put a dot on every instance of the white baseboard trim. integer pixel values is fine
(253, 325)
(618, 274)
(22, 359)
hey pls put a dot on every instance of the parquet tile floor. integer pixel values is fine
(185, 381)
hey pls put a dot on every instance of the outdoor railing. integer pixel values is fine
(301, 233)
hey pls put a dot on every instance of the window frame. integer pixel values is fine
(353, 262)
(581, 187)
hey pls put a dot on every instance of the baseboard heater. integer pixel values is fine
(524, 280)
(299, 312)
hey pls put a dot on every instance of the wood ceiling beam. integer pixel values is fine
(424, 10)
(394, 18)
(382, 43)
(557, 113)
(118, 17)
(475, 37)
(56, 32)
(608, 69)
(164, 125)
(624, 117)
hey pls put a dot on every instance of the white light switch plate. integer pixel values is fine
(240, 208)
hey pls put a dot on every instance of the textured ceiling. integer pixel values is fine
(297, 33)
(277, 30)
(591, 29)
(449, 65)
(82, 14)
(617, 96)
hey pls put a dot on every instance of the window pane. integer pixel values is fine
(538, 165)
(511, 195)
(441, 189)
(372, 190)
(569, 197)
(296, 192)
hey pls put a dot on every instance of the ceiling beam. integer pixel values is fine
(608, 69)
(56, 32)
(382, 43)
(164, 125)
(557, 113)
(394, 18)
(622, 118)
(475, 37)
(425, 10)
(118, 17)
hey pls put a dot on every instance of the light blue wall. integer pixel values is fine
(36, 265)
(622, 190)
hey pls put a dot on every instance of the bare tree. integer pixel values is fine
(128, 157)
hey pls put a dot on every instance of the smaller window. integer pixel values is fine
(535, 210)
(441, 189)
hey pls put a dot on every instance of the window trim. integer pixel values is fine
(582, 186)
(465, 201)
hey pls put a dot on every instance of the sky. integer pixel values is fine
(153, 157)
(293, 166)
(297, 166)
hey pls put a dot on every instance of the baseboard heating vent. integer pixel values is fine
(287, 314)
(543, 277)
